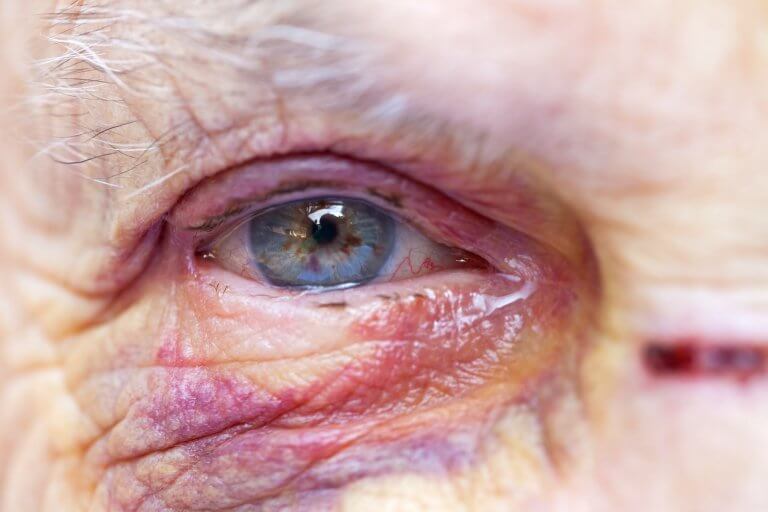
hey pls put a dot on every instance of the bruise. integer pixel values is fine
(210, 441)
(189, 403)
(299, 469)
(220, 437)
(406, 356)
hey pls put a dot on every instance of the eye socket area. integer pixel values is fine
(331, 242)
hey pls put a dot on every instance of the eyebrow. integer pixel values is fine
(109, 53)
(292, 57)
(109, 58)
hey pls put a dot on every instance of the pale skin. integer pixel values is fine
(628, 142)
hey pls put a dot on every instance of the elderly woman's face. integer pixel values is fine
(363, 255)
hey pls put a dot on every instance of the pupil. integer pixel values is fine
(325, 230)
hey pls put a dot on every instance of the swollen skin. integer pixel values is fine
(215, 415)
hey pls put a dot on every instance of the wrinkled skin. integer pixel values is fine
(628, 142)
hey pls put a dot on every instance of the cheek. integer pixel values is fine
(237, 395)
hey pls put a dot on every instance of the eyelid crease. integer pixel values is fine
(260, 181)
(223, 202)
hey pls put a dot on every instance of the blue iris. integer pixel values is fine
(321, 242)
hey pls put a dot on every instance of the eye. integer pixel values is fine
(330, 242)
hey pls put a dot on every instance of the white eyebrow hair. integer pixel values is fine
(107, 51)
(86, 33)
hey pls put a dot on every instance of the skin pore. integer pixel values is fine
(605, 161)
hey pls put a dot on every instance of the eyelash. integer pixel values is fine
(411, 253)
(220, 205)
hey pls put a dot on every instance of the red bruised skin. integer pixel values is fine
(401, 354)
(252, 396)
(408, 391)
(303, 469)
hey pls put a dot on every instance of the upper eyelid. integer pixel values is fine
(278, 196)
(244, 208)
(227, 199)
(228, 222)
(261, 180)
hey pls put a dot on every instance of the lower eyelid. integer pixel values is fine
(267, 379)
(245, 303)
